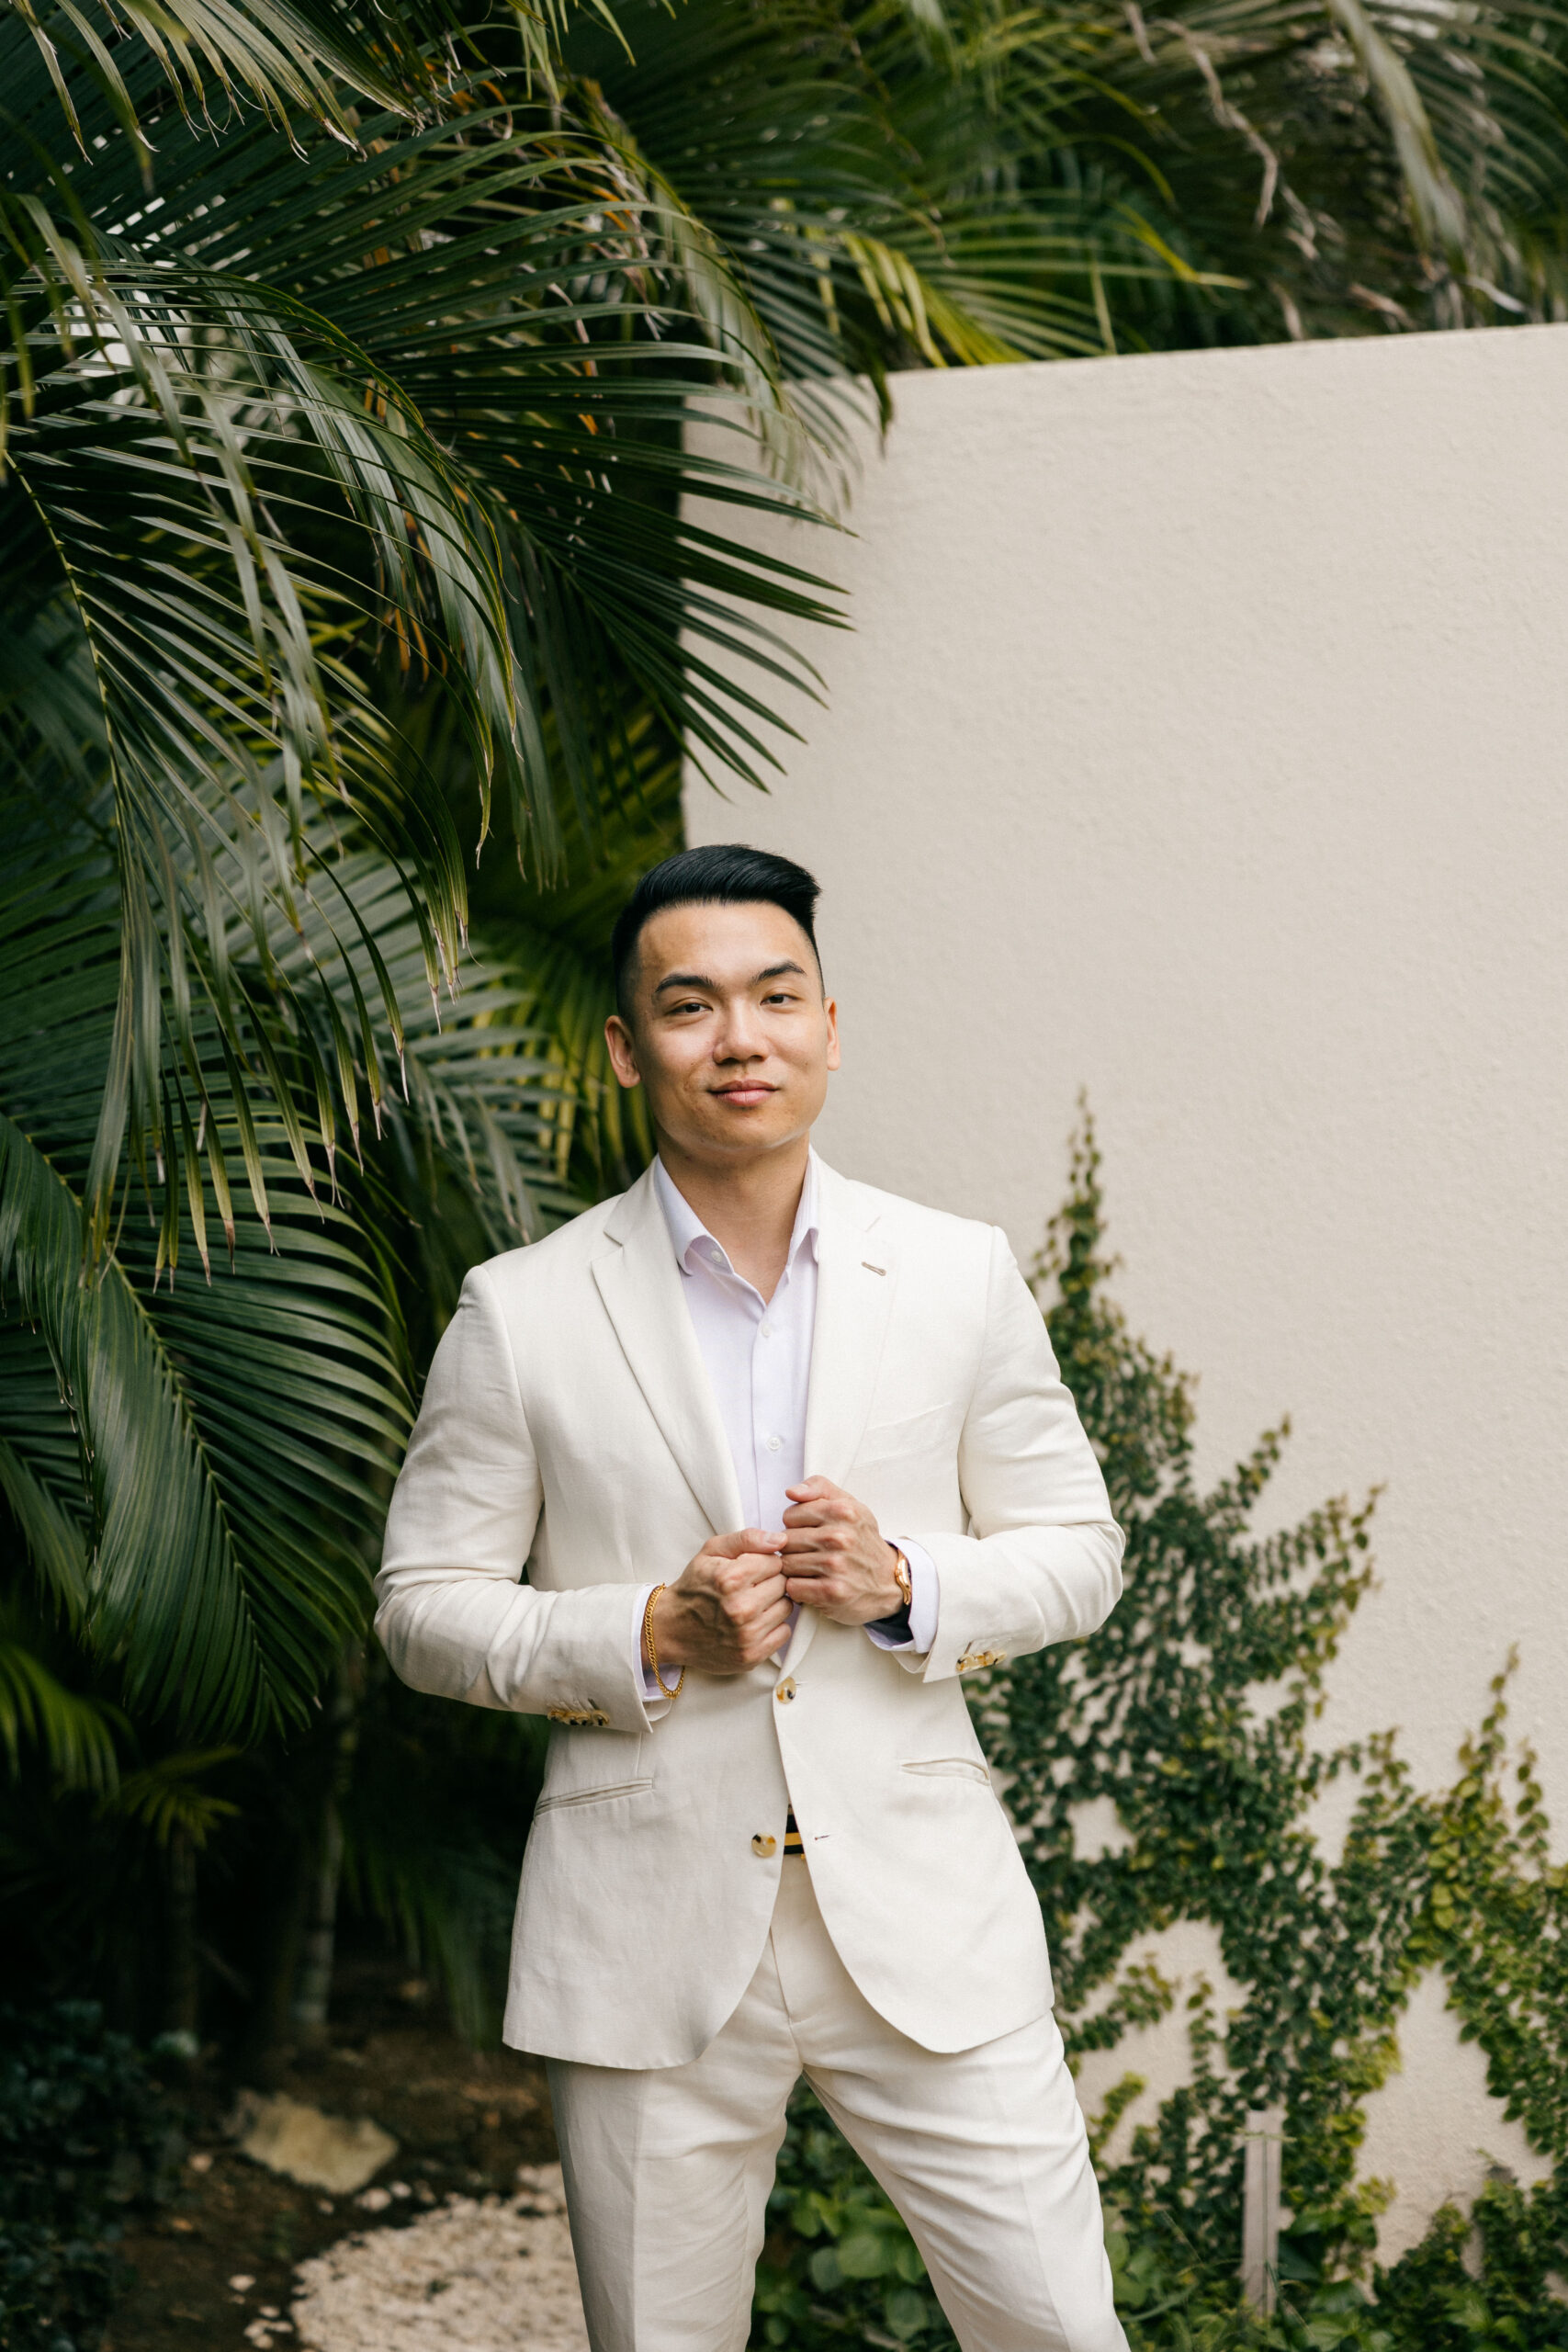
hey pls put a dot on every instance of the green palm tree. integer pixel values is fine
(376, 377)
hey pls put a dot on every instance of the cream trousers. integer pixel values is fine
(983, 2152)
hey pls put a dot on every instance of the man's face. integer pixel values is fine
(730, 1032)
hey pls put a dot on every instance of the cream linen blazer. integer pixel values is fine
(570, 1436)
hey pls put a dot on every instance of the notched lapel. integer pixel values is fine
(857, 1275)
(640, 1285)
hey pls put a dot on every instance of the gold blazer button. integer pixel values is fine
(786, 1690)
(764, 1846)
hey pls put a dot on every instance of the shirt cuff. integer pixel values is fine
(913, 1628)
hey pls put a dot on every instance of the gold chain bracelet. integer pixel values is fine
(651, 1647)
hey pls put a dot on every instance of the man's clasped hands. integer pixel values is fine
(729, 1609)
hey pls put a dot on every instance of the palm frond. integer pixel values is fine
(166, 1798)
(894, 190)
(180, 417)
(429, 391)
(213, 1442)
(74, 1734)
(283, 59)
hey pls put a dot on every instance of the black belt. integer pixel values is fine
(792, 1836)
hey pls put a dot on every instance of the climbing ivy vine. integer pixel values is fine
(1190, 1714)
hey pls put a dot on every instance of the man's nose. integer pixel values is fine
(740, 1037)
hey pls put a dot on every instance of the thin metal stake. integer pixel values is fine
(1260, 2213)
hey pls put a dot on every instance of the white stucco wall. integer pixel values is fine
(1200, 742)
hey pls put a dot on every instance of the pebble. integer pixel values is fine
(473, 2275)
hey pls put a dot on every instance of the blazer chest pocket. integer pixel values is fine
(949, 1768)
(919, 1434)
(592, 1796)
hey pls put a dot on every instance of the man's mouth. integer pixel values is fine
(745, 1090)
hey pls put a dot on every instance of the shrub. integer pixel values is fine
(83, 2134)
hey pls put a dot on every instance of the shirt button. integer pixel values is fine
(765, 1330)
(775, 1445)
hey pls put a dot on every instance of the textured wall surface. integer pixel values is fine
(1201, 743)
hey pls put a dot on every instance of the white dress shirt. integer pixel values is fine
(757, 1354)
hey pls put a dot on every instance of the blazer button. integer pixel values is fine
(784, 1691)
(764, 1846)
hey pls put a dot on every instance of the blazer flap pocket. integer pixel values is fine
(593, 1796)
(950, 1768)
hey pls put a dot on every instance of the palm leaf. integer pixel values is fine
(227, 1434)
(283, 59)
(231, 474)
(74, 1735)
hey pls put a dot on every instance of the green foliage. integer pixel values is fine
(838, 2265)
(1498, 1922)
(1190, 1715)
(83, 2136)
(1510, 2290)
(379, 369)
(187, 1459)
(970, 182)
(1163, 1717)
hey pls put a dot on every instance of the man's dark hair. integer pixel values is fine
(729, 874)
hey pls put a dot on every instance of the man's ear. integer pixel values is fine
(622, 1051)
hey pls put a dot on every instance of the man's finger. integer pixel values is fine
(810, 1589)
(828, 1511)
(812, 1490)
(764, 1595)
(743, 1540)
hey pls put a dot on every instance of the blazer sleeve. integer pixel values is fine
(453, 1613)
(1042, 1560)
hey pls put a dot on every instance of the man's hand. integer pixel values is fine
(834, 1560)
(728, 1610)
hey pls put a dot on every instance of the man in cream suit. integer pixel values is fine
(737, 1478)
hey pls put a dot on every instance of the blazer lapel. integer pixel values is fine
(640, 1285)
(856, 1274)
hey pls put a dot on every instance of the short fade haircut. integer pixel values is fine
(729, 874)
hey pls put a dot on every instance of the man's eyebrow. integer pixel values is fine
(685, 980)
(700, 980)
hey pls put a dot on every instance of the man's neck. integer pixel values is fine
(749, 1206)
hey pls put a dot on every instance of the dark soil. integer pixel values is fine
(464, 2121)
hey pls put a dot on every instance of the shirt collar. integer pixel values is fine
(693, 1244)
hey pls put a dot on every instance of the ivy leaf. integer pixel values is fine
(864, 2254)
(824, 2269)
(906, 2314)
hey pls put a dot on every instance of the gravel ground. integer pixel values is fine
(475, 2275)
(215, 2270)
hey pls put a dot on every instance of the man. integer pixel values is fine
(784, 1458)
